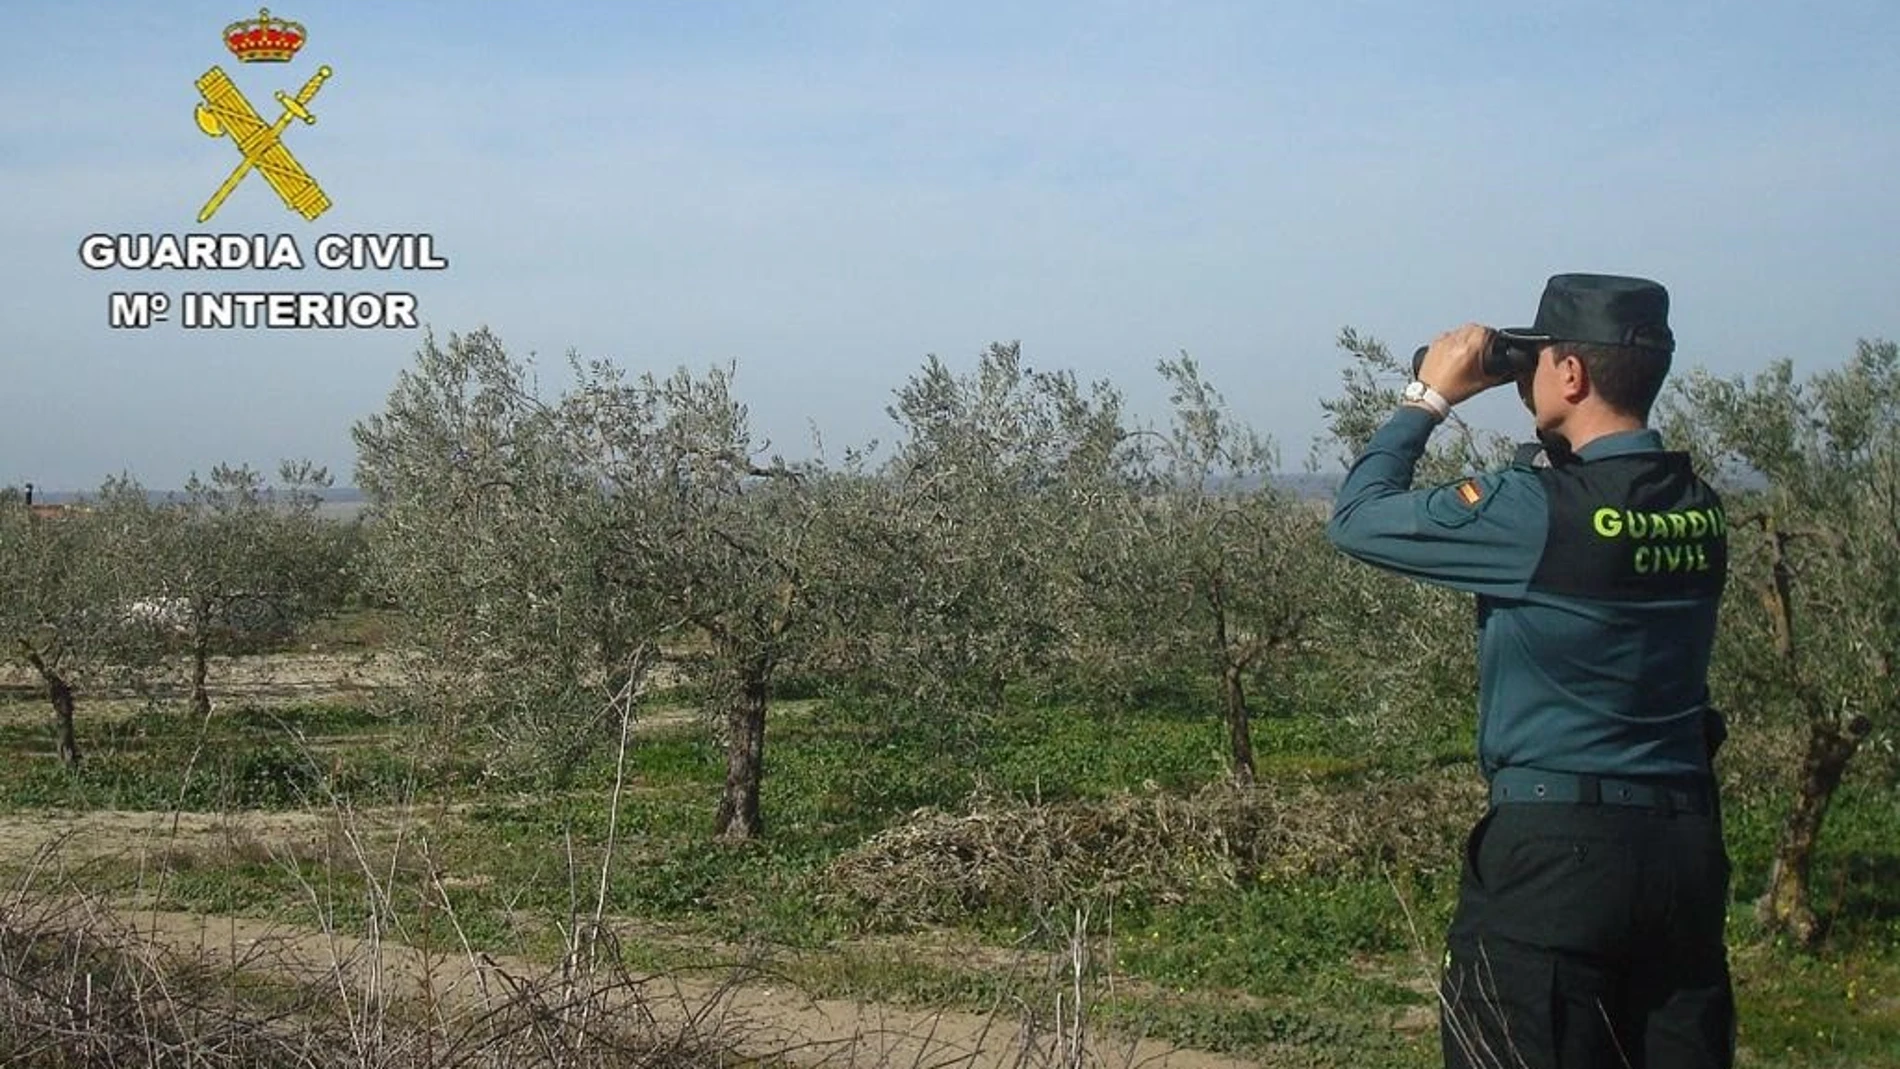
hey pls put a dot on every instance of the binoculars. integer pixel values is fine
(1507, 358)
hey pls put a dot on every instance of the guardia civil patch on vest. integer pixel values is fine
(1634, 527)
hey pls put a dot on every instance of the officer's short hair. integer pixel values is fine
(1628, 379)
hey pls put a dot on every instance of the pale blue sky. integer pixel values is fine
(824, 193)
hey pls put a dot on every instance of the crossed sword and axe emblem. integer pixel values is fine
(225, 111)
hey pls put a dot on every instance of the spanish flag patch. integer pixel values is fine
(1469, 493)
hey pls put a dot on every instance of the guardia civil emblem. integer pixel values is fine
(224, 112)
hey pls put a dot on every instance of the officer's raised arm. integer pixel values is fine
(1480, 534)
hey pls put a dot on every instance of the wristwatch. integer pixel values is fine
(1417, 393)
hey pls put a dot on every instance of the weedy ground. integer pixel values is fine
(1051, 854)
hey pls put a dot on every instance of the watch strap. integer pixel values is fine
(1425, 397)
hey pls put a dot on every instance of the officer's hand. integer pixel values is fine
(1454, 365)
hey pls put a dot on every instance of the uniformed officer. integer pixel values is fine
(1589, 924)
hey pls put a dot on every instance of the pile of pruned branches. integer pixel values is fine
(1004, 854)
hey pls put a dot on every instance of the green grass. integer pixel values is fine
(160, 758)
(1312, 971)
(1829, 1009)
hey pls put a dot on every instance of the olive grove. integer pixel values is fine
(104, 594)
(1024, 532)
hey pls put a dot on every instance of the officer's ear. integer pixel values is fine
(1573, 375)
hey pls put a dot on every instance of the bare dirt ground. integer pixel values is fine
(278, 679)
(772, 1016)
(140, 837)
(770, 1019)
(274, 679)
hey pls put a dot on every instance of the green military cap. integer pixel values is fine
(1601, 310)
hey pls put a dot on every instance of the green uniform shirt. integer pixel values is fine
(1582, 667)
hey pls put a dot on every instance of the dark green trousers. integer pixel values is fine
(1590, 937)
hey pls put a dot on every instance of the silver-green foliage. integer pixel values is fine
(1230, 569)
(75, 607)
(244, 562)
(545, 548)
(490, 525)
(973, 562)
(1812, 631)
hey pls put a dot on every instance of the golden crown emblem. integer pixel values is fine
(264, 39)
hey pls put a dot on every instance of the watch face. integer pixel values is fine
(1414, 391)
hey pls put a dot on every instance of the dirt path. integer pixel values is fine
(287, 676)
(768, 1019)
(771, 1016)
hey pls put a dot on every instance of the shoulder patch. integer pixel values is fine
(1458, 503)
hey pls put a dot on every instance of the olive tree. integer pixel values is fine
(975, 547)
(1024, 532)
(71, 607)
(1814, 508)
(485, 527)
(243, 561)
(547, 548)
(1230, 565)
(715, 537)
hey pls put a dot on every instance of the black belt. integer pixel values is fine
(1534, 785)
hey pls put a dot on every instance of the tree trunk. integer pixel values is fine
(60, 693)
(739, 816)
(1233, 694)
(200, 659)
(1785, 906)
(1233, 699)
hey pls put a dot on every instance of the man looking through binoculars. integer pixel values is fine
(1589, 925)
